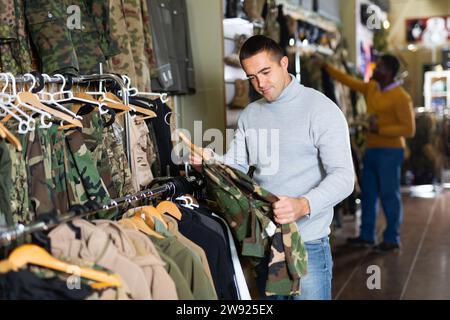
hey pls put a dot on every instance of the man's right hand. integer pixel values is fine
(196, 161)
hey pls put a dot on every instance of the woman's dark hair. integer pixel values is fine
(260, 43)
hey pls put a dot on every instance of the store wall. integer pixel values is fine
(348, 27)
(402, 10)
(208, 103)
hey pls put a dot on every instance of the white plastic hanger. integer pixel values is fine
(6, 104)
(49, 97)
(132, 91)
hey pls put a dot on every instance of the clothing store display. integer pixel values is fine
(215, 249)
(88, 105)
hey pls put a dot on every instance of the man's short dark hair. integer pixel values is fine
(260, 43)
(391, 62)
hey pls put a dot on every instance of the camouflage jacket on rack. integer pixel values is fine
(70, 37)
(248, 209)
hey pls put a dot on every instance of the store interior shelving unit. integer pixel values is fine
(437, 91)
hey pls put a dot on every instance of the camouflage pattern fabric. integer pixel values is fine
(15, 48)
(57, 143)
(108, 154)
(51, 37)
(85, 169)
(99, 9)
(5, 185)
(123, 63)
(130, 26)
(87, 41)
(117, 159)
(40, 180)
(137, 18)
(248, 209)
(19, 189)
(63, 44)
(20, 209)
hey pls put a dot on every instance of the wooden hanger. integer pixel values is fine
(147, 112)
(33, 254)
(2, 133)
(31, 99)
(150, 213)
(139, 224)
(10, 137)
(193, 147)
(169, 208)
(113, 102)
(84, 97)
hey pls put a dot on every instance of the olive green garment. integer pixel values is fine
(190, 267)
(183, 290)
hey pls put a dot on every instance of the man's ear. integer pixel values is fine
(284, 62)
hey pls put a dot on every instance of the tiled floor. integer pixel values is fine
(420, 270)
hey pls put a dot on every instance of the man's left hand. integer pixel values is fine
(287, 209)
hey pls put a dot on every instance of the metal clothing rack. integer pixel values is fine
(95, 77)
(20, 230)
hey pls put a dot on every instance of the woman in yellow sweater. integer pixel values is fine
(391, 117)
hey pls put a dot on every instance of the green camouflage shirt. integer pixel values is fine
(248, 209)
(70, 36)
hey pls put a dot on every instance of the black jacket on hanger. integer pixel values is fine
(215, 249)
(161, 128)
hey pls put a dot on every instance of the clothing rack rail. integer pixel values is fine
(94, 77)
(20, 230)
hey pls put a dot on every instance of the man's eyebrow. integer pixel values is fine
(262, 70)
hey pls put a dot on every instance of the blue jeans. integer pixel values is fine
(316, 284)
(381, 178)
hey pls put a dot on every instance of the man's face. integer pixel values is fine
(267, 75)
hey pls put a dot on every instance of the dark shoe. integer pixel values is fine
(387, 247)
(358, 242)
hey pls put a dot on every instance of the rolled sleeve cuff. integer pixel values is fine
(313, 201)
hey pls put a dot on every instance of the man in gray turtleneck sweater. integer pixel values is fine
(298, 140)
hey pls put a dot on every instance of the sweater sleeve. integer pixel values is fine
(331, 138)
(404, 113)
(352, 82)
(236, 155)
